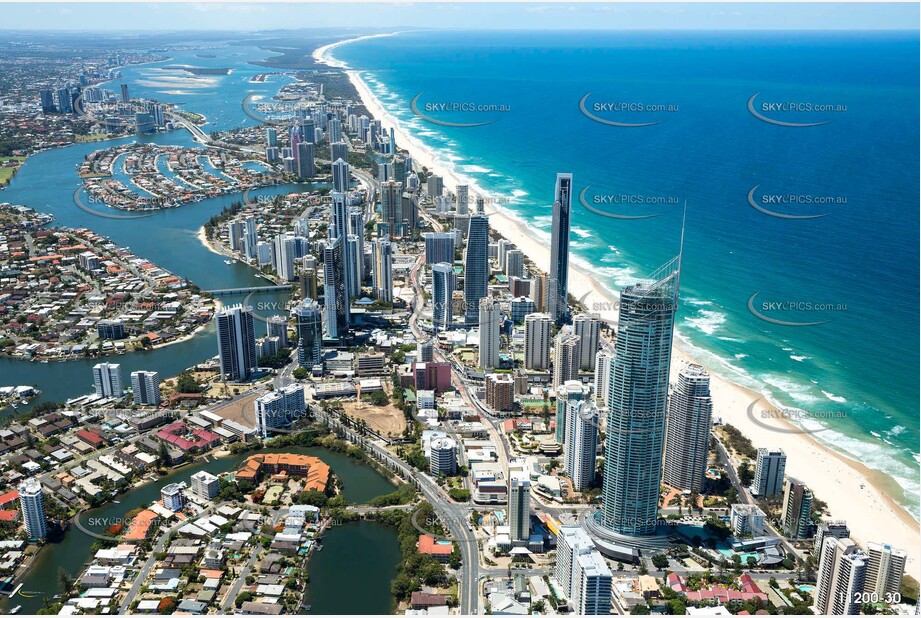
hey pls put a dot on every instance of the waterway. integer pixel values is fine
(352, 574)
(360, 483)
(46, 182)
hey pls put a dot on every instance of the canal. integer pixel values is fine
(352, 574)
(360, 483)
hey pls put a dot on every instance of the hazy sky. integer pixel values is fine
(259, 16)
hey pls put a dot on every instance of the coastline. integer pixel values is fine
(833, 477)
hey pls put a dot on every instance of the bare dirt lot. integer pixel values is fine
(382, 419)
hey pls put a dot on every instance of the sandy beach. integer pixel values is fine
(852, 491)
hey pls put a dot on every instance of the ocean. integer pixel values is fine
(852, 271)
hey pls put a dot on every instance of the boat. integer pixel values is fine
(16, 609)
(306, 608)
(228, 262)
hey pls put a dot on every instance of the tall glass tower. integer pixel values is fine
(559, 248)
(476, 267)
(637, 400)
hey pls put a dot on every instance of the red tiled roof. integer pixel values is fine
(427, 545)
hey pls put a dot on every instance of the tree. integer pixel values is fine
(301, 373)
(242, 598)
(746, 474)
(639, 610)
(660, 561)
(186, 383)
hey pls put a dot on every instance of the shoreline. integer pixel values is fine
(809, 460)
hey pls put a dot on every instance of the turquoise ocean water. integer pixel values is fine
(858, 370)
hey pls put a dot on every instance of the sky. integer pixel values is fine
(249, 17)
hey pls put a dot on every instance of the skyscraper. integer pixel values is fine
(146, 387)
(476, 267)
(885, 570)
(306, 168)
(581, 443)
(582, 573)
(236, 342)
(444, 282)
(391, 194)
(250, 240)
(537, 341)
(587, 326)
(463, 191)
(277, 326)
(125, 98)
(558, 301)
(334, 127)
(840, 578)
(353, 268)
(107, 380)
(591, 586)
(357, 229)
(308, 323)
(279, 408)
(439, 247)
(687, 430)
(637, 402)
(514, 263)
(519, 508)
(490, 321)
(566, 356)
(32, 505)
(382, 269)
(284, 249)
(271, 137)
(769, 470)
(568, 394)
(602, 376)
(340, 176)
(336, 301)
(338, 150)
(797, 509)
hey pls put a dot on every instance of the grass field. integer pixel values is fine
(7, 171)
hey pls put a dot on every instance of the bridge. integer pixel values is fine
(245, 291)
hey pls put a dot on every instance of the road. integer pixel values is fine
(454, 516)
(231, 595)
(152, 561)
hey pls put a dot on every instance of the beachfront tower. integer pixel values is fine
(840, 578)
(769, 470)
(476, 267)
(687, 430)
(559, 248)
(637, 400)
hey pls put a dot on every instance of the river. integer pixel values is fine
(360, 483)
(47, 181)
